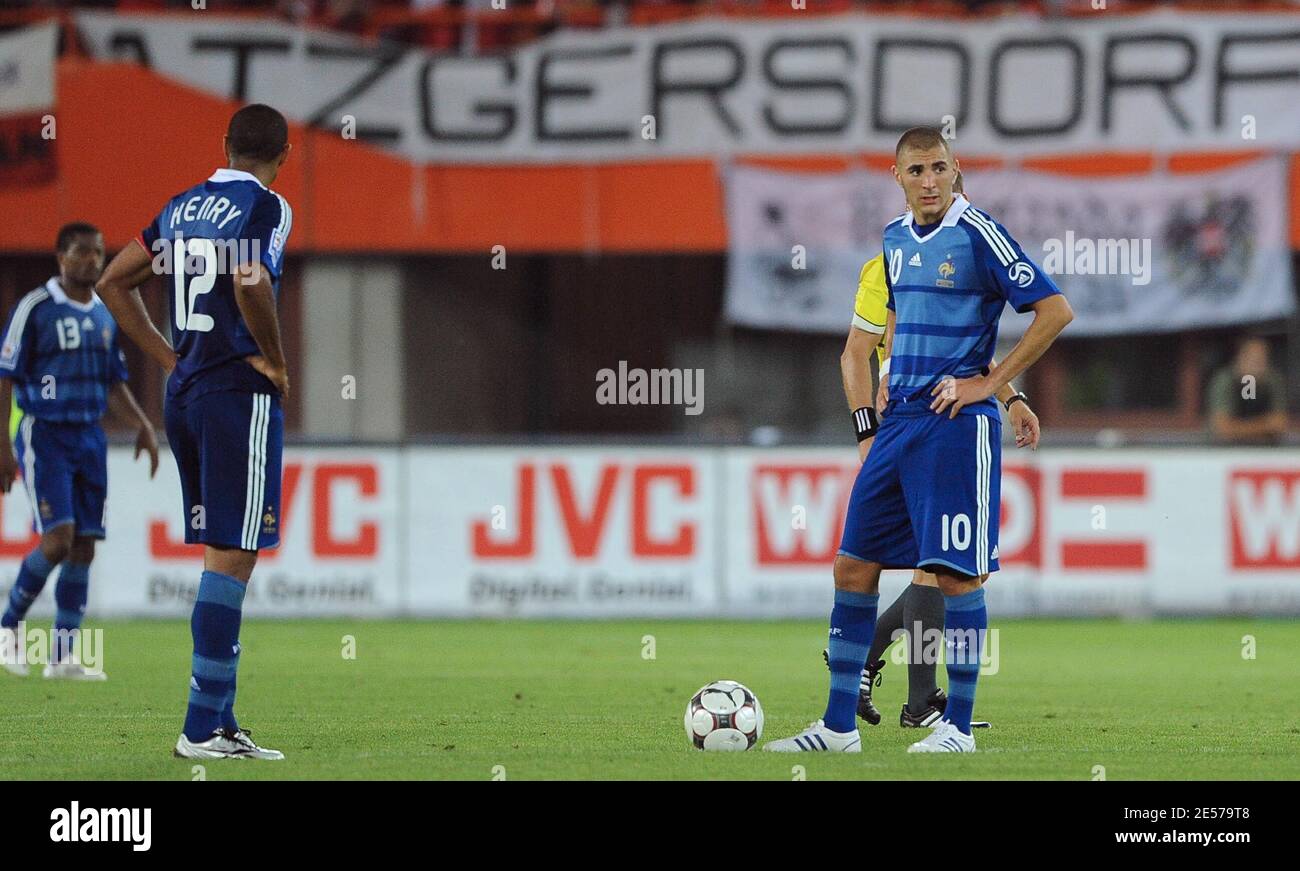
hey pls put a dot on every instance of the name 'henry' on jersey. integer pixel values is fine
(230, 218)
(948, 288)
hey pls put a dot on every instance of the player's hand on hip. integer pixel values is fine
(1024, 423)
(277, 375)
(864, 447)
(954, 394)
(8, 467)
(145, 440)
(882, 394)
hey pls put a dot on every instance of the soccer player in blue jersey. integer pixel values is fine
(929, 498)
(60, 360)
(220, 246)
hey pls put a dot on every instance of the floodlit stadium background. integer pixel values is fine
(493, 206)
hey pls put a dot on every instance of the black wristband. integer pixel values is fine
(865, 422)
(1019, 397)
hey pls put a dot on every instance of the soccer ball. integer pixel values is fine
(724, 715)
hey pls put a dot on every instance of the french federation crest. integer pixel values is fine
(946, 272)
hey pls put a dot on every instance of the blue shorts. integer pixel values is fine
(227, 446)
(928, 494)
(65, 470)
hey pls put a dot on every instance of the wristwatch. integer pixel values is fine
(1018, 397)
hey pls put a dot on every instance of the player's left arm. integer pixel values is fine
(1051, 315)
(119, 287)
(1024, 423)
(267, 230)
(122, 405)
(1026, 288)
(256, 299)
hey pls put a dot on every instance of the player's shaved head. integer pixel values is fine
(68, 234)
(920, 139)
(257, 133)
(927, 171)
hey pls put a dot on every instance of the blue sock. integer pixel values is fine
(70, 597)
(853, 623)
(214, 626)
(31, 580)
(965, 621)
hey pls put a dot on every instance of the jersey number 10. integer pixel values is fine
(199, 284)
(956, 531)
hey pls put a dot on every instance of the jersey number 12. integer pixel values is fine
(200, 283)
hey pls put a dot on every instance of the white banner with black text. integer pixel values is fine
(846, 84)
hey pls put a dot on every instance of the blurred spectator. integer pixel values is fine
(1247, 398)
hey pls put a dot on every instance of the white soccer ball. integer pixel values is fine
(724, 715)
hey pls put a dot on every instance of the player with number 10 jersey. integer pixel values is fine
(929, 496)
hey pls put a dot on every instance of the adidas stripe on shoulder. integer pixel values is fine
(14, 336)
(996, 239)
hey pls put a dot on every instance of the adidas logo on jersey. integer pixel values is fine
(916, 259)
(994, 555)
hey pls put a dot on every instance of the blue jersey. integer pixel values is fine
(62, 355)
(203, 234)
(948, 289)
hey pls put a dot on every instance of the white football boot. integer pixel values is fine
(9, 658)
(223, 745)
(245, 740)
(71, 671)
(818, 739)
(944, 738)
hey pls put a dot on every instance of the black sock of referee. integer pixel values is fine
(888, 623)
(923, 608)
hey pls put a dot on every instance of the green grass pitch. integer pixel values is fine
(565, 700)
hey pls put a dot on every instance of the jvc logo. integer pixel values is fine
(98, 825)
(549, 492)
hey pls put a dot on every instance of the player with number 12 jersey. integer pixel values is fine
(219, 246)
